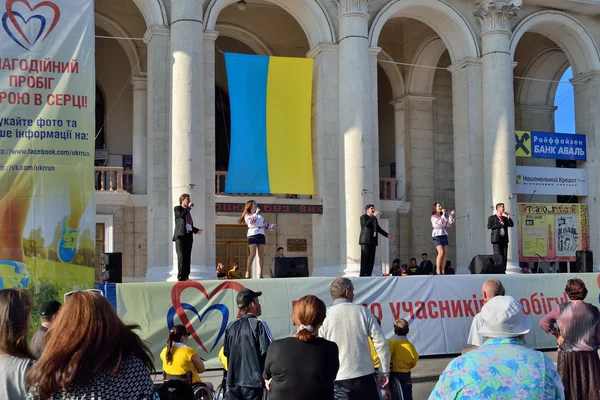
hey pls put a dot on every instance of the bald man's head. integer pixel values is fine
(492, 288)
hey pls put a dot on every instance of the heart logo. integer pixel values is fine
(180, 308)
(26, 24)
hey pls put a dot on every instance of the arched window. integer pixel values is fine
(564, 116)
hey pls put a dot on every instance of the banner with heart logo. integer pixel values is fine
(47, 123)
(439, 311)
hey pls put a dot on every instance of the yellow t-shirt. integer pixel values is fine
(374, 354)
(223, 358)
(234, 274)
(182, 362)
(403, 354)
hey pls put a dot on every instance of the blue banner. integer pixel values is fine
(557, 146)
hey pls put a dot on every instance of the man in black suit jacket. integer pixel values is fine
(369, 228)
(184, 236)
(499, 224)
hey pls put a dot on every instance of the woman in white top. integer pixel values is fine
(256, 235)
(440, 221)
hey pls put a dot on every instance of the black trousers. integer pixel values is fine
(405, 381)
(367, 259)
(501, 249)
(361, 388)
(245, 393)
(183, 246)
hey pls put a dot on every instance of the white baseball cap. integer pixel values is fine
(503, 317)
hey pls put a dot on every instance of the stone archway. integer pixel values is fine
(244, 36)
(454, 30)
(153, 11)
(420, 77)
(567, 32)
(112, 27)
(310, 15)
(543, 75)
(393, 73)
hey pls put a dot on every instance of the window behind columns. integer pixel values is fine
(100, 117)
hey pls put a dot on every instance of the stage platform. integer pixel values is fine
(439, 308)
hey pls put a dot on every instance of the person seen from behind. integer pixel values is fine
(90, 353)
(47, 312)
(502, 365)
(490, 289)
(181, 362)
(376, 363)
(15, 356)
(576, 325)
(303, 366)
(247, 340)
(404, 357)
(350, 326)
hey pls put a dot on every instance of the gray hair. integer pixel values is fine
(339, 288)
(495, 287)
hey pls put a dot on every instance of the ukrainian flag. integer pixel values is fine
(270, 101)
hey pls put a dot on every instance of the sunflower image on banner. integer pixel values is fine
(270, 125)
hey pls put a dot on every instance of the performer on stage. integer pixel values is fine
(184, 236)
(256, 235)
(499, 224)
(440, 220)
(369, 228)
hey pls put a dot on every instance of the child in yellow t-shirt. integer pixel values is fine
(234, 273)
(404, 357)
(376, 363)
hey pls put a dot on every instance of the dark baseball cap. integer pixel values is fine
(246, 296)
(49, 308)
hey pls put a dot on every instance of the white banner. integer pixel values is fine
(47, 123)
(552, 181)
(439, 309)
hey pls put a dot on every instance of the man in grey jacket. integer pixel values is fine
(350, 326)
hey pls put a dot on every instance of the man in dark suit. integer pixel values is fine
(369, 228)
(499, 224)
(184, 236)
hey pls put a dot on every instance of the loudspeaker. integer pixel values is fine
(487, 264)
(112, 267)
(290, 267)
(584, 261)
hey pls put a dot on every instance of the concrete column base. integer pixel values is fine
(158, 274)
(197, 273)
(351, 270)
(513, 268)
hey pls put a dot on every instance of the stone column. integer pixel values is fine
(159, 211)
(373, 63)
(140, 143)
(587, 122)
(420, 183)
(471, 223)
(188, 174)
(499, 113)
(400, 141)
(356, 150)
(210, 226)
(326, 160)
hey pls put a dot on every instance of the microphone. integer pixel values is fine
(381, 213)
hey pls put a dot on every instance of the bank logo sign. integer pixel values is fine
(552, 181)
(557, 146)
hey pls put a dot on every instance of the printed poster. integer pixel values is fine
(552, 232)
(47, 120)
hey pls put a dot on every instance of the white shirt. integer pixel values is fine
(475, 339)
(256, 224)
(439, 224)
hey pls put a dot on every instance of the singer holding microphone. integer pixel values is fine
(499, 224)
(184, 236)
(440, 220)
(369, 228)
(256, 235)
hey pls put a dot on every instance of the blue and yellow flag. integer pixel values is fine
(270, 125)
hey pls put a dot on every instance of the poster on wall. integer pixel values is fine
(47, 119)
(552, 181)
(552, 232)
(557, 146)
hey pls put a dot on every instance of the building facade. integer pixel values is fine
(414, 101)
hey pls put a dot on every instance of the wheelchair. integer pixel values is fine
(181, 388)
